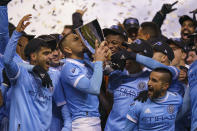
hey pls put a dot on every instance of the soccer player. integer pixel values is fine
(31, 91)
(131, 25)
(81, 81)
(162, 57)
(192, 84)
(4, 37)
(126, 86)
(160, 109)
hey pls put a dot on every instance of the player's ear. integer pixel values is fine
(164, 58)
(165, 86)
(184, 55)
(67, 50)
(33, 57)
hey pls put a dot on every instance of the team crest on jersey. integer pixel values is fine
(73, 70)
(132, 104)
(170, 109)
(141, 85)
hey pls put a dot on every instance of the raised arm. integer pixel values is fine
(77, 18)
(11, 67)
(144, 60)
(4, 32)
(152, 64)
(161, 15)
(92, 85)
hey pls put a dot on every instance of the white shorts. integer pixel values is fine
(86, 124)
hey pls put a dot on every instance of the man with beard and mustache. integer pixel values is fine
(81, 80)
(188, 26)
(162, 57)
(160, 109)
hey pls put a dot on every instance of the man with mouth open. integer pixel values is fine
(161, 107)
(31, 89)
(188, 26)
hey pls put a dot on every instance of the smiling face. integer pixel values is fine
(43, 57)
(187, 28)
(114, 42)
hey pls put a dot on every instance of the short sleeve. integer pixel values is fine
(134, 112)
(72, 74)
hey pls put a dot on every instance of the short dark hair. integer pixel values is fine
(68, 26)
(151, 28)
(167, 77)
(60, 43)
(34, 45)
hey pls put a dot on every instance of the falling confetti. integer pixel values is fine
(52, 15)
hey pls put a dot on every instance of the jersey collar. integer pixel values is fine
(74, 61)
(162, 99)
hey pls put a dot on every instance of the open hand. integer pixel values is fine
(23, 23)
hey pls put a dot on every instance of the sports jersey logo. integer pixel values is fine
(147, 111)
(132, 104)
(73, 70)
(170, 109)
(141, 85)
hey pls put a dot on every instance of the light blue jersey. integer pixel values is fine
(192, 77)
(81, 81)
(150, 63)
(31, 103)
(124, 88)
(4, 32)
(157, 115)
(61, 119)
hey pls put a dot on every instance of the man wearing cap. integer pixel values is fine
(125, 86)
(188, 26)
(162, 57)
(115, 36)
(180, 55)
(131, 25)
(180, 52)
